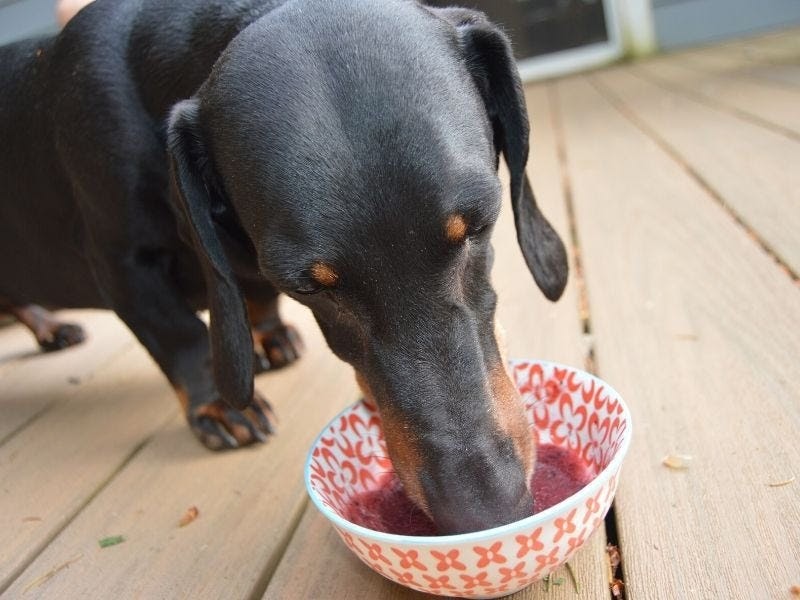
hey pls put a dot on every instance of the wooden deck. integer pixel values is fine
(677, 181)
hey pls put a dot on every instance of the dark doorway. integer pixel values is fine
(538, 27)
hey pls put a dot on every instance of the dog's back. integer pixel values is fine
(89, 104)
(37, 218)
(171, 57)
(167, 46)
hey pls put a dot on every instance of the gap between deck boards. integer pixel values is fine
(280, 550)
(584, 307)
(620, 106)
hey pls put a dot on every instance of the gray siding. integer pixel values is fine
(686, 22)
(25, 18)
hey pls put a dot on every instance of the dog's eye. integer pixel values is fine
(307, 289)
(320, 276)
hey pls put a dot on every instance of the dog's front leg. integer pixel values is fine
(145, 297)
(277, 344)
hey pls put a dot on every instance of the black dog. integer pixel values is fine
(343, 152)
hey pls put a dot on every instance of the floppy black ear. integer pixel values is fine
(490, 61)
(231, 341)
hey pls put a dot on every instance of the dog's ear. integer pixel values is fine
(231, 341)
(490, 61)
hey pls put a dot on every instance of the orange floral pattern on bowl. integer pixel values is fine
(565, 406)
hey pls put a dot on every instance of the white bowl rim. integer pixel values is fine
(495, 532)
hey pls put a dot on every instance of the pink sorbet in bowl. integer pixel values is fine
(583, 430)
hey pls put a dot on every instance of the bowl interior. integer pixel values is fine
(565, 407)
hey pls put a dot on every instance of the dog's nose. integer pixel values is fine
(455, 520)
(479, 488)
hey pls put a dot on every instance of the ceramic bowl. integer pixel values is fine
(565, 406)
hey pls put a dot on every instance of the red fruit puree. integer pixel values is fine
(559, 473)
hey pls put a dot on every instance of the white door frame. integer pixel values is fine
(629, 24)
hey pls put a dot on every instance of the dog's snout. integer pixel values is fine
(458, 437)
(479, 490)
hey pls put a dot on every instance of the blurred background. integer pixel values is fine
(553, 37)
(556, 37)
(673, 182)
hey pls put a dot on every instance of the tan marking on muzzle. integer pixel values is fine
(508, 410)
(501, 341)
(455, 229)
(183, 397)
(324, 274)
(402, 447)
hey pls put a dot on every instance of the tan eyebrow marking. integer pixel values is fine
(324, 274)
(455, 229)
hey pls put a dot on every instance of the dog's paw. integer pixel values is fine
(60, 336)
(220, 427)
(281, 346)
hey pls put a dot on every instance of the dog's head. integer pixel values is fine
(354, 146)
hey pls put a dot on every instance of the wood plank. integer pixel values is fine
(772, 105)
(751, 168)
(762, 49)
(49, 470)
(249, 501)
(301, 574)
(535, 328)
(733, 61)
(18, 345)
(697, 329)
(30, 380)
(778, 47)
(735, 66)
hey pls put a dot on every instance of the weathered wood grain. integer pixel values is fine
(697, 328)
(31, 380)
(730, 65)
(776, 47)
(750, 168)
(771, 58)
(52, 468)
(249, 500)
(775, 106)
